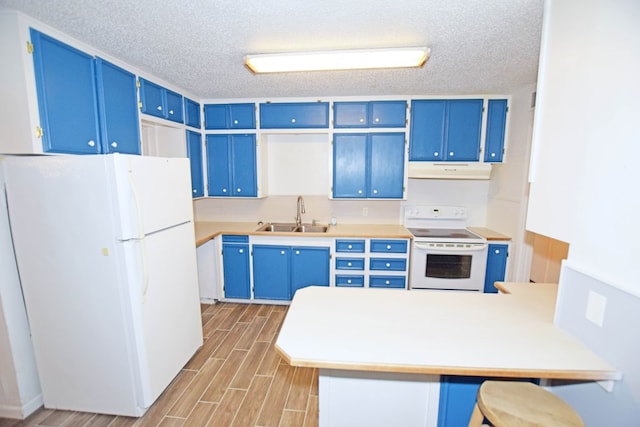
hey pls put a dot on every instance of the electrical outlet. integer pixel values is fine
(596, 305)
(365, 211)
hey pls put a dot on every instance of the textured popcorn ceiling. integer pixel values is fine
(477, 46)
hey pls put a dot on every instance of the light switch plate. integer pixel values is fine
(596, 305)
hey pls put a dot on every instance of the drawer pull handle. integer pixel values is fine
(388, 265)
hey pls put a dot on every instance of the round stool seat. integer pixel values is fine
(523, 404)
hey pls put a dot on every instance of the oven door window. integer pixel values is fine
(448, 266)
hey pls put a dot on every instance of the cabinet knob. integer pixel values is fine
(170, 111)
(114, 144)
(281, 252)
(388, 247)
(159, 108)
(293, 120)
(493, 154)
(359, 191)
(497, 251)
(91, 143)
(349, 281)
(361, 120)
(348, 264)
(451, 153)
(238, 190)
(350, 247)
(377, 119)
(387, 265)
(195, 191)
(297, 252)
(375, 191)
(436, 154)
(240, 251)
(235, 122)
(387, 282)
(224, 190)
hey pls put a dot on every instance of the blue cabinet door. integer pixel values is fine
(235, 260)
(174, 106)
(152, 97)
(309, 267)
(271, 272)
(386, 165)
(294, 115)
(215, 116)
(243, 165)
(350, 114)
(194, 151)
(67, 99)
(388, 114)
(464, 126)
(496, 266)
(350, 165)
(192, 116)
(427, 138)
(218, 165)
(496, 125)
(457, 399)
(118, 109)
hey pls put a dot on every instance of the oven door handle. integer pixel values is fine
(475, 247)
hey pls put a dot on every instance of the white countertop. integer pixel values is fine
(433, 332)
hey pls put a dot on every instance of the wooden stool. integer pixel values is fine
(521, 404)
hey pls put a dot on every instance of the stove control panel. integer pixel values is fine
(435, 212)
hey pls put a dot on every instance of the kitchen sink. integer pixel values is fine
(290, 227)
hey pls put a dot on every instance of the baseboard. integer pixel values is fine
(21, 412)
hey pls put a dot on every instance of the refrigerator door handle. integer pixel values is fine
(136, 206)
(145, 270)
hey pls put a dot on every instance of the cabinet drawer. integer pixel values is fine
(387, 282)
(350, 246)
(293, 115)
(389, 246)
(388, 264)
(344, 280)
(234, 238)
(349, 263)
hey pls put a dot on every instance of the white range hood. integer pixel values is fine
(446, 170)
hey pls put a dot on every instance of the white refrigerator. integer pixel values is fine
(105, 250)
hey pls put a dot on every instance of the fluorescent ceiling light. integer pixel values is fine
(403, 57)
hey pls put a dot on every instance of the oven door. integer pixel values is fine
(448, 266)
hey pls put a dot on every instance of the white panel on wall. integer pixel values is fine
(298, 164)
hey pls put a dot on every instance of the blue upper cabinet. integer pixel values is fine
(294, 115)
(445, 130)
(117, 107)
(368, 165)
(374, 114)
(230, 116)
(496, 126)
(67, 98)
(231, 165)
(194, 151)
(192, 116)
(160, 102)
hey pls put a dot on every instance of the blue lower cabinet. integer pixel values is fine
(279, 271)
(309, 267)
(271, 267)
(496, 266)
(396, 282)
(235, 260)
(349, 281)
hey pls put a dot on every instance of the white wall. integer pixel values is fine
(585, 187)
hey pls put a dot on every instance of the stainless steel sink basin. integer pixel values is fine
(275, 227)
(290, 227)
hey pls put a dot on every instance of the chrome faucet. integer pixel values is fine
(299, 211)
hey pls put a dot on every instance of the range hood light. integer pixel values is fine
(405, 57)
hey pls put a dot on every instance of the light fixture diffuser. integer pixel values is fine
(404, 57)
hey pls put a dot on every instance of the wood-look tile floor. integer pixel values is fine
(235, 379)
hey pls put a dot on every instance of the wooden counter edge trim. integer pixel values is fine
(449, 370)
(499, 286)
